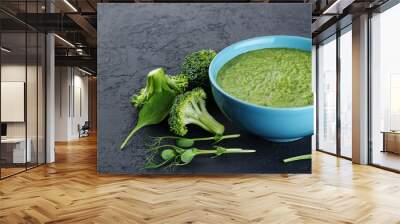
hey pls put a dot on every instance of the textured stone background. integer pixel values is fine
(135, 38)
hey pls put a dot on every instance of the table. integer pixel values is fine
(19, 155)
(391, 141)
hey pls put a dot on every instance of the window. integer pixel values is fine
(327, 95)
(385, 89)
(346, 92)
(333, 137)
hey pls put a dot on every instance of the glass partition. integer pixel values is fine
(13, 94)
(22, 90)
(346, 92)
(327, 95)
(31, 99)
(385, 89)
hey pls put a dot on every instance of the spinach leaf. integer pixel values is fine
(153, 112)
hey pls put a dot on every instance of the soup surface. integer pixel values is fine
(274, 77)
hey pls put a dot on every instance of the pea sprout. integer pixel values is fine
(296, 158)
(188, 142)
(175, 156)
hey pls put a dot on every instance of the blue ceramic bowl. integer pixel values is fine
(274, 124)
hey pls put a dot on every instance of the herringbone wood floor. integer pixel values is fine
(70, 191)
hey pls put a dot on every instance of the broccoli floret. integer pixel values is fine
(178, 82)
(157, 80)
(195, 67)
(190, 108)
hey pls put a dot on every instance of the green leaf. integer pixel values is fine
(153, 112)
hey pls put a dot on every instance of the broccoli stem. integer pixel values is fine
(213, 137)
(226, 151)
(302, 157)
(200, 116)
(207, 122)
(188, 155)
(173, 84)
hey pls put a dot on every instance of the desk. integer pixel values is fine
(391, 141)
(18, 151)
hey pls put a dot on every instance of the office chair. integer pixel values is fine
(84, 130)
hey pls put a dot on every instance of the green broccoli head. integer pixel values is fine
(195, 67)
(190, 108)
(158, 81)
(178, 82)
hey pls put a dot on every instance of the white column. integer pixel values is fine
(314, 87)
(50, 100)
(50, 92)
(360, 90)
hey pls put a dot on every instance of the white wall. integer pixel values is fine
(62, 82)
(71, 102)
(33, 127)
(9, 73)
(80, 109)
(17, 72)
(13, 100)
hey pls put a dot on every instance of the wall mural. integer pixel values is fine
(204, 88)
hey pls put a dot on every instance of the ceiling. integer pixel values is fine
(76, 21)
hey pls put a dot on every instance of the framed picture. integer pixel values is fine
(248, 73)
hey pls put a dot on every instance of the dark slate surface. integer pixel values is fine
(135, 38)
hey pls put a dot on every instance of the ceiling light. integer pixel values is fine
(79, 51)
(65, 41)
(5, 50)
(84, 71)
(70, 5)
(335, 7)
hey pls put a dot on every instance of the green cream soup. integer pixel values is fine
(275, 77)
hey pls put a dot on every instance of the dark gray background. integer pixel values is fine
(135, 38)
